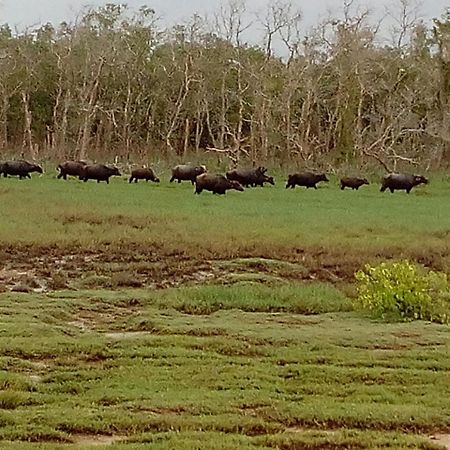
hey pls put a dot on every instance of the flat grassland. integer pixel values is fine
(154, 318)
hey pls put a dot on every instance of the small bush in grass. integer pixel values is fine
(404, 290)
(12, 399)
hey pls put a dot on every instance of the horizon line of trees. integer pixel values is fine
(113, 85)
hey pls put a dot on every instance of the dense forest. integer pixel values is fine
(115, 85)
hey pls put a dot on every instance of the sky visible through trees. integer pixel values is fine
(25, 13)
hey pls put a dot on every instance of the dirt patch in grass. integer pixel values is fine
(160, 410)
(389, 346)
(293, 321)
(24, 280)
(80, 324)
(441, 439)
(95, 440)
(118, 335)
(117, 266)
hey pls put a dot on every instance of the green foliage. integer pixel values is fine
(404, 289)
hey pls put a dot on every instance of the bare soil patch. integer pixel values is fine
(126, 334)
(114, 266)
(95, 440)
(441, 439)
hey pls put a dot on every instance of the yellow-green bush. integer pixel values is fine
(404, 290)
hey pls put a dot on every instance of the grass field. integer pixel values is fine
(154, 318)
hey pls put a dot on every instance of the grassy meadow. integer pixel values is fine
(144, 316)
(270, 221)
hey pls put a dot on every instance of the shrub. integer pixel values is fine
(404, 290)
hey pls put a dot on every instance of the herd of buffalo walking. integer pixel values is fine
(218, 184)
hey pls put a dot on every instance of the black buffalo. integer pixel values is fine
(186, 172)
(352, 182)
(98, 172)
(307, 179)
(250, 177)
(20, 168)
(400, 181)
(73, 168)
(145, 173)
(217, 184)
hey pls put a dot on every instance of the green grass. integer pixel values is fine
(248, 372)
(267, 221)
(168, 320)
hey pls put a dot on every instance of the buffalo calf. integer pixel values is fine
(145, 173)
(352, 182)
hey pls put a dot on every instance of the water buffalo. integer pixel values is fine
(400, 181)
(184, 172)
(307, 179)
(145, 173)
(352, 182)
(74, 168)
(217, 184)
(20, 168)
(250, 177)
(98, 172)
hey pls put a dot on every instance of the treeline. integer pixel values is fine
(115, 84)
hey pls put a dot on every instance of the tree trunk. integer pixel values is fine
(187, 127)
(89, 113)
(4, 120)
(27, 134)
